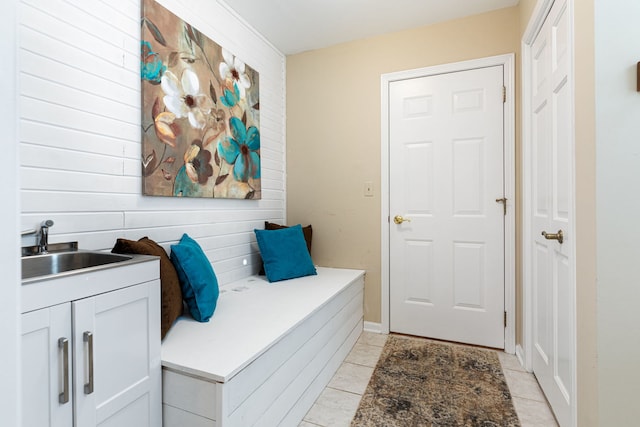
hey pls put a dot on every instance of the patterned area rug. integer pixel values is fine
(419, 382)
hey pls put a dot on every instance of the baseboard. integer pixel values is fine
(376, 328)
(520, 355)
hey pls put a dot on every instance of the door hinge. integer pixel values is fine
(505, 319)
(504, 94)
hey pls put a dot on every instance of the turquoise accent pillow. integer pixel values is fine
(197, 279)
(284, 253)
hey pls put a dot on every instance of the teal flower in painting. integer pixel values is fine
(240, 150)
(183, 186)
(230, 99)
(151, 66)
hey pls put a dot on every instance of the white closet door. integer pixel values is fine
(551, 203)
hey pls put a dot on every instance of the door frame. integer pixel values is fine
(507, 61)
(10, 292)
(538, 17)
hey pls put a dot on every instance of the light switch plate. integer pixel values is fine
(368, 189)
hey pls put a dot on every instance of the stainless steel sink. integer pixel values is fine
(51, 248)
(62, 262)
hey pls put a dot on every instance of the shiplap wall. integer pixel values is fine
(80, 130)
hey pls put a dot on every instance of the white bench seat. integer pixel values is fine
(265, 355)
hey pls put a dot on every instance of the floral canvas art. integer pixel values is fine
(200, 113)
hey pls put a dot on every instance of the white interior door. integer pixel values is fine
(446, 176)
(551, 203)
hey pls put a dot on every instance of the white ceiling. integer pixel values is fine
(295, 26)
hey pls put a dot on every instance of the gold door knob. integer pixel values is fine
(399, 219)
(554, 236)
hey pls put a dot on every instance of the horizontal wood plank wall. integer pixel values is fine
(80, 131)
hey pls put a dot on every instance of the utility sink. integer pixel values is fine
(38, 266)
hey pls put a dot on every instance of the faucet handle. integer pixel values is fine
(44, 236)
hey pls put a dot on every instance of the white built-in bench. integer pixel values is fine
(266, 354)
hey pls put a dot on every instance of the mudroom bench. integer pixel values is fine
(266, 354)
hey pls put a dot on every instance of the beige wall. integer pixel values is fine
(333, 131)
(525, 7)
(333, 147)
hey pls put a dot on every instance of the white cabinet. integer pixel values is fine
(94, 361)
(42, 366)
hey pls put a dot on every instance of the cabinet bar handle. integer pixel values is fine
(63, 344)
(88, 338)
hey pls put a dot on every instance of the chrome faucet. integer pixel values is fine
(43, 236)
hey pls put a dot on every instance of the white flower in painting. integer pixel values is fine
(183, 97)
(233, 70)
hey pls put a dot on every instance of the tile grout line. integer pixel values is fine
(345, 391)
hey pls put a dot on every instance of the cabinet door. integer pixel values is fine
(117, 358)
(46, 367)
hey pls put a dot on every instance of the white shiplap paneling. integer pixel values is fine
(80, 131)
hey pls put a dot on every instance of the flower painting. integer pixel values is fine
(200, 113)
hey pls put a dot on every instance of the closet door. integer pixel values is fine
(551, 213)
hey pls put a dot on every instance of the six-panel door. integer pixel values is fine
(446, 172)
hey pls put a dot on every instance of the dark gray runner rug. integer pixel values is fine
(419, 382)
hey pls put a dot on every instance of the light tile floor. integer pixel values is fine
(339, 401)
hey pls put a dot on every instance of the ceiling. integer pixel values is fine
(294, 26)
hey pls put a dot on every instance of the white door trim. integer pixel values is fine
(536, 21)
(507, 61)
(10, 323)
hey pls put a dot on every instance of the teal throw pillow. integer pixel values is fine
(284, 253)
(197, 279)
